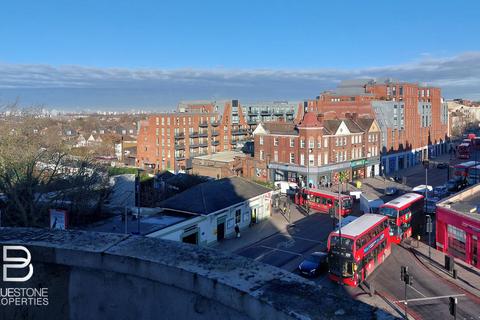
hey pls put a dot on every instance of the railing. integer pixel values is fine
(203, 124)
(215, 123)
(193, 134)
(214, 133)
(180, 146)
(180, 135)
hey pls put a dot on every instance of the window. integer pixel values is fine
(275, 156)
(336, 142)
(311, 143)
(302, 159)
(325, 158)
(292, 143)
(292, 157)
(262, 155)
(325, 142)
(302, 143)
(157, 120)
(238, 215)
(319, 159)
(311, 159)
(261, 140)
(157, 131)
(344, 141)
(275, 141)
(319, 143)
(163, 121)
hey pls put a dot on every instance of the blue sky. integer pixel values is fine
(154, 53)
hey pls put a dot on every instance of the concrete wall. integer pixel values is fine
(110, 276)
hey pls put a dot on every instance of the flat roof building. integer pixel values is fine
(458, 225)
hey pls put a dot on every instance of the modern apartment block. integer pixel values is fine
(412, 118)
(168, 141)
(319, 148)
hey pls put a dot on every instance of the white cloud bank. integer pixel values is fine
(70, 86)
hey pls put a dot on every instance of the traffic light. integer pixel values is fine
(403, 273)
(453, 306)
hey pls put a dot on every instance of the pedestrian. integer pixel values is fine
(237, 230)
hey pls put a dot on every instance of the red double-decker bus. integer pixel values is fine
(405, 216)
(463, 151)
(323, 201)
(461, 169)
(358, 249)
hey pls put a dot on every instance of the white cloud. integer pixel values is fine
(457, 76)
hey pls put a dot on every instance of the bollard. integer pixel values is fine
(454, 274)
(418, 241)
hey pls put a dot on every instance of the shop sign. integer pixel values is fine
(358, 163)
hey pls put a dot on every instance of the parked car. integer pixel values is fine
(456, 184)
(442, 165)
(314, 264)
(390, 191)
(440, 191)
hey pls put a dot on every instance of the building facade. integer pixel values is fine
(458, 225)
(168, 141)
(317, 149)
(413, 119)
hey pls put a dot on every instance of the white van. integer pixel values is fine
(285, 186)
(370, 203)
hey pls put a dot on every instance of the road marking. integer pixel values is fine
(306, 239)
(417, 291)
(430, 298)
(286, 251)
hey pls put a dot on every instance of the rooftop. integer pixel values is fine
(148, 224)
(213, 196)
(466, 203)
(225, 156)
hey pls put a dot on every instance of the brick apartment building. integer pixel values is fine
(318, 148)
(412, 118)
(171, 140)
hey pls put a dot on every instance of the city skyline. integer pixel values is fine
(152, 55)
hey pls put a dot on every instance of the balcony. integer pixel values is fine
(252, 113)
(278, 113)
(290, 112)
(203, 124)
(193, 134)
(194, 146)
(215, 143)
(203, 134)
(214, 133)
(180, 135)
(265, 112)
(180, 146)
(239, 132)
(215, 123)
(203, 144)
(179, 158)
(252, 122)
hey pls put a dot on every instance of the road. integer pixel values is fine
(386, 280)
(286, 250)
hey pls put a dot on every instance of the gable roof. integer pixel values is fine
(280, 128)
(213, 196)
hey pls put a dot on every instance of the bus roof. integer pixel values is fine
(325, 192)
(467, 164)
(403, 200)
(361, 224)
(464, 144)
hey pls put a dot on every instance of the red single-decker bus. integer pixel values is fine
(324, 201)
(363, 245)
(405, 215)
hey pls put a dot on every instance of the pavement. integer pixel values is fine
(278, 223)
(468, 277)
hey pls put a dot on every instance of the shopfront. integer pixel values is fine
(358, 169)
(458, 235)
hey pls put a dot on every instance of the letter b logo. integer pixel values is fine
(16, 263)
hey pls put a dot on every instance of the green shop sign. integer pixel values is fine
(358, 163)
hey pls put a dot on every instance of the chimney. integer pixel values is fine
(320, 117)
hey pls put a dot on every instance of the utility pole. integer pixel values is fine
(429, 230)
(137, 199)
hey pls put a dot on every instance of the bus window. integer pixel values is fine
(386, 211)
